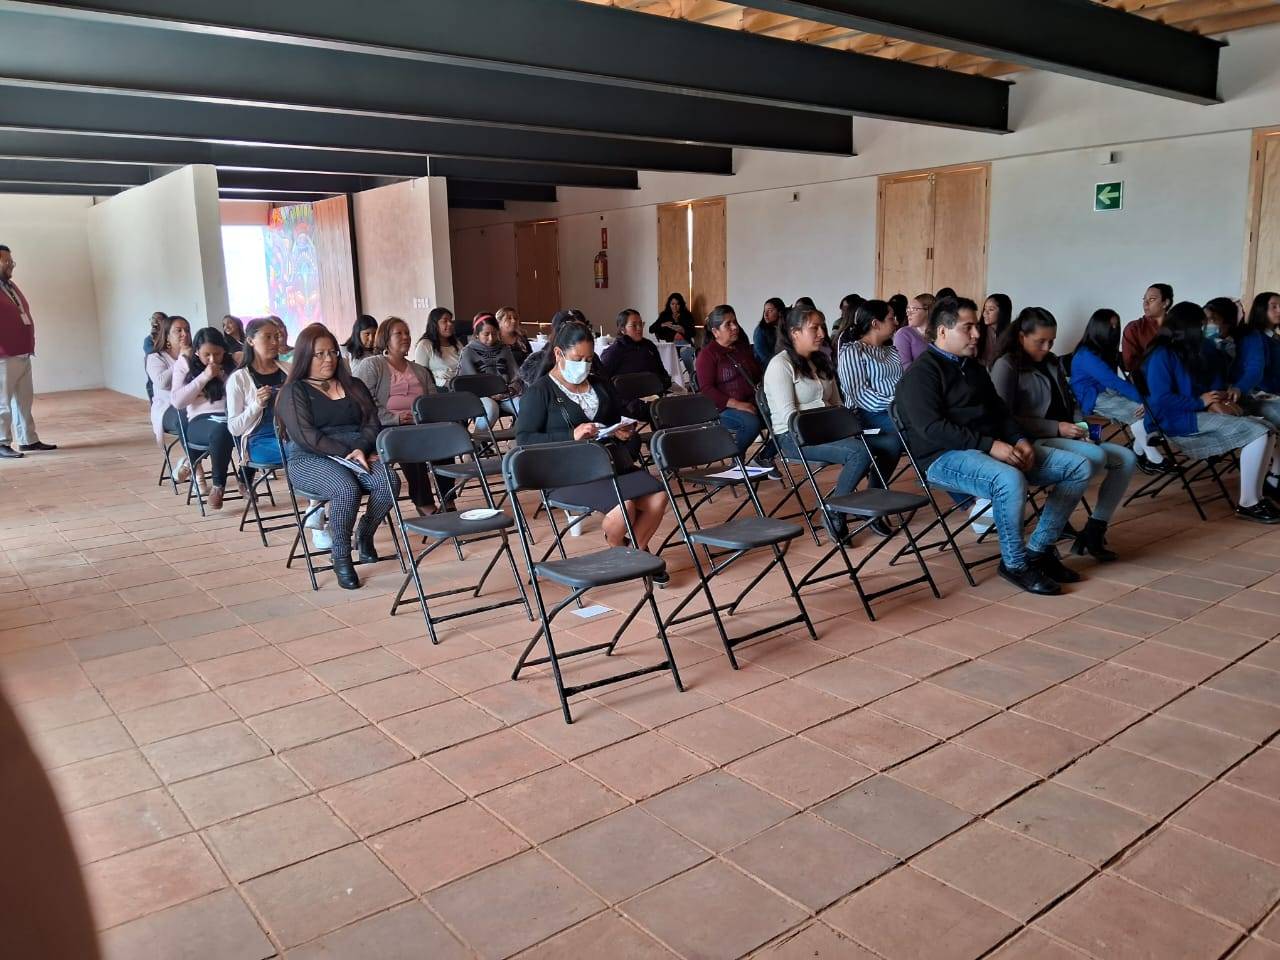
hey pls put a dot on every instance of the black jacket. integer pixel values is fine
(951, 405)
(625, 355)
(548, 416)
(667, 336)
(293, 409)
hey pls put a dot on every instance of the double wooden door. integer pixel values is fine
(692, 254)
(1262, 262)
(932, 231)
(537, 270)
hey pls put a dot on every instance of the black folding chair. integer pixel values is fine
(264, 473)
(832, 425)
(424, 445)
(546, 466)
(463, 409)
(486, 385)
(195, 453)
(679, 450)
(300, 546)
(170, 429)
(1182, 469)
(630, 387)
(783, 464)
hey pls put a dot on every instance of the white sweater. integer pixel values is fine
(244, 413)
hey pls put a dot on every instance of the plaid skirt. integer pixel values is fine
(1116, 406)
(1219, 433)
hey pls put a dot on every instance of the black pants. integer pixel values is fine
(204, 431)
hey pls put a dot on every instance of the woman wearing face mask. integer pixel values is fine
(485, 353)
(1030, 381)
(360, 344)
(395, 383)
(1102, 392)
(328, 416)
(568, 403)
(512, 337)
(801, 378)
(439, 348)
(200, 388)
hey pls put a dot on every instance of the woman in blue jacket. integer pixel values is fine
(1101, 391)
(1255, 369)
(1190, 406)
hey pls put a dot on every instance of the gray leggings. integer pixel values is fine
(343, 489)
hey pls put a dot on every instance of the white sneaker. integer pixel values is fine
(315, 519)
(576, 529)
(321, 540)
(980, 526)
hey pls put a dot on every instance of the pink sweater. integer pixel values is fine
(188, 396)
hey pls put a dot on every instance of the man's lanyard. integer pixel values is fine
(17, 302)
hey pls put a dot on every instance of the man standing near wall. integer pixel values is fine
(17, 344)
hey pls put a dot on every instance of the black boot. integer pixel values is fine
(1050, 564)
(364, 541)
(1093, 541)
(345, 572)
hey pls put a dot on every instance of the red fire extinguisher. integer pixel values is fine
(601, 263)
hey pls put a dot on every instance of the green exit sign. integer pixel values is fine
(1108, 196)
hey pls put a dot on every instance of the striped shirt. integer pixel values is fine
(869, 375)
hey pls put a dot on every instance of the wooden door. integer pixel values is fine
(537, 270)
(960, 231)
(673, 252)
(905, 228)
(1263, 260)
(708, 274)
(339, 304)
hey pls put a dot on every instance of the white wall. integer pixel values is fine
(51, 246)
(155, 247)
(633, 265)
(1185, 168)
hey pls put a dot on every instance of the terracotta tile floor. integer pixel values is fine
(251, 769)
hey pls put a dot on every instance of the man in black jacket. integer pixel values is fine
(966, 441)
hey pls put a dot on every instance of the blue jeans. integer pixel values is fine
(744, 426)
(1115, 463)
(885, 445)
(492, 408)
(981, 475)
(263, 448)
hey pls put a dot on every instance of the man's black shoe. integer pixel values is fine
(38, 446)
(8, 453)
(1051, 565)
(1030, 579)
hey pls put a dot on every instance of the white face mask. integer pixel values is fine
(1211, 331)
(575, 371)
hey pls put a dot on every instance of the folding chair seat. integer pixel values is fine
(636, 386)
(832, 425)
(543, 467)
(680, 449)
(486, 385)
(423, 445)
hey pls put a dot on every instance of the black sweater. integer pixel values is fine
(625, 355)
(951, 405)
(548, 416)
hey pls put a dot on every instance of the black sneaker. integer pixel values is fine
(1151, 468)
(661, 579)
(881, 527)
(1051, 565)
(1030, 579)
(837, 527)
(1260, 512)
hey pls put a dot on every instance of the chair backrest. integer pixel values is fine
(633, 386)
(679, 448)
(824, 425)
(544, 466)
(684, 410)
(447, 408)
(481, 384)
(423, 443)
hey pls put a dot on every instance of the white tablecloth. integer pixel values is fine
(670, 355)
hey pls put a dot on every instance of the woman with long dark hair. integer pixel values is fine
(849, 304)
(485, 353)
(1102, 392)
(1032, 384)
(764, 341)
(439, 348)
(801, 378)
(633, 352)
(568, 402)
(512, 336)
(1255, 360)
(360, 344)
(331, 426)
(728, 374)
(869, 369)
(674, 323)
(1195, 413)
(898, 304)
(996, 315)
(171, 342)
(200, 388)
(233, 333)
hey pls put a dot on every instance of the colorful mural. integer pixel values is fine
(293, 267)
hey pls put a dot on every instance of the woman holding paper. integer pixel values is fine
(568, 403)
(801, 378)
(331, 425)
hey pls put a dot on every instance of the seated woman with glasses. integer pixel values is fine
(200, 389)
(568, 403)
(801, 378)
(331, 427)
(910, 340)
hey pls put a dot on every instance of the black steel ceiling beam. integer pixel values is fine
(308, 182)
(272, 197)
(60, 189)
(1075, 37)
(476, 204)
(58, 171)
(564, 175)
(492, 190)
(48, 145)
(604, 45)
(61, 109)
(130, 56)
